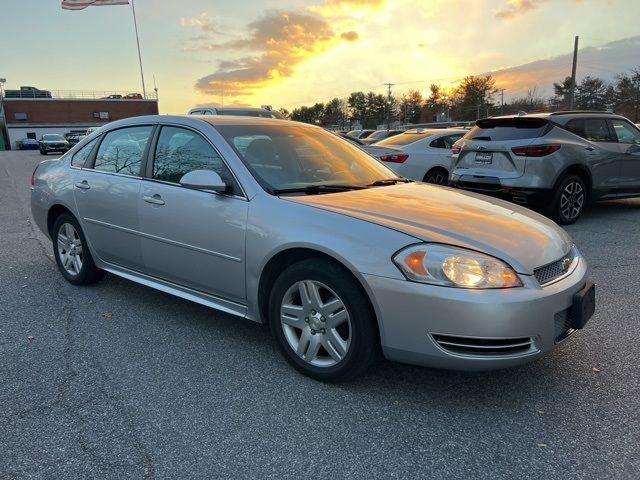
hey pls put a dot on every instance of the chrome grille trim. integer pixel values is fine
(554, 271)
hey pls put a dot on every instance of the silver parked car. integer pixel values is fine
(420, 154)
(285, 223)
(556, 162)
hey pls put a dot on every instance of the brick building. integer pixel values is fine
(34, 117)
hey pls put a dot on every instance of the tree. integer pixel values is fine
(472, 99)
(334, 112)
(411, 107)
(532, 102)
(376, 109)
(592, 94)
(562, 91)
(357, 103)
(285, 113)
(626, 94)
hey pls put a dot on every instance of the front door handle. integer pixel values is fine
(83, 185)
(590, 148)
(153, 199)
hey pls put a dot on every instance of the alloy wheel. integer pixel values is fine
(437, 178)
(316, 323)
(572, 200)
(70, 249)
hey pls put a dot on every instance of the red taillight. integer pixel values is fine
(535, 150)
(455, 149)
(395, 158)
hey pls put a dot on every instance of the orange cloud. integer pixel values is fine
(516, 8)
(275, 44)
(349, 36)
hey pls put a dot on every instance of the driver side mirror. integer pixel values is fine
(203, 180)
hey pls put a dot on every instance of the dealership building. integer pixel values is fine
(65, 112)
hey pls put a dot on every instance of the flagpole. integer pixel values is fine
(135, 24)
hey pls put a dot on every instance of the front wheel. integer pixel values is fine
(569, 200)
(72, 253)
(322, 321)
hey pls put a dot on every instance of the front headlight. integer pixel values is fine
(454, 267)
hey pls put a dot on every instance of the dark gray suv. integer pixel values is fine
(555, 162)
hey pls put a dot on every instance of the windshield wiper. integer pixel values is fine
(389, 181)
(315, 189)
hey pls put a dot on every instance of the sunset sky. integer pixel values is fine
(295, 52)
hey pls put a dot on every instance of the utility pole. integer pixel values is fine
(135, 24)
(572, 90)
(501, 100)
(389, 85)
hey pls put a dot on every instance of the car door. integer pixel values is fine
(628, 137)
(190, 237)
(106, 195)
(601, 152)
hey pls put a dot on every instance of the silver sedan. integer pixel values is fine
(284, 223)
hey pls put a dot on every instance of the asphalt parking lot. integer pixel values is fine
(118, 380)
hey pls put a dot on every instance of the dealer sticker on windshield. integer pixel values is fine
(482, 157)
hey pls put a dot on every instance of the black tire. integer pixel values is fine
(42, 152)
(364, 341)
(436, 176)
(88, 273)
(569, 200)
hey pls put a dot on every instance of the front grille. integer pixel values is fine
(486, 347)
(551, 271)
(562, 322)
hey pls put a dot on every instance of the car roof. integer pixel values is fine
(564, 115)
(210, 119)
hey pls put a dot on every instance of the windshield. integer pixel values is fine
(285, 157)
(53, 137)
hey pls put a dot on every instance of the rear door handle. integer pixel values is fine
(83, 185)
(154, 199)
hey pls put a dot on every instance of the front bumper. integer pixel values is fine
(430, 325)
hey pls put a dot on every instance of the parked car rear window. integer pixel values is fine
(80, 157)
(121, 150)
(505, 129)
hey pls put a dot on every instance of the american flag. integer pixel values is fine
(82, 4)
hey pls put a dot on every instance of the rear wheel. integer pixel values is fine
(42, 152)
(72, 253)
(322, 321)
(569, 200)
(437, 176)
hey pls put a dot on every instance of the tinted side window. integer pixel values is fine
(438, 143)
(625, 132)
(80, 157)
(592, 129)
(121, 151)
(180, 151)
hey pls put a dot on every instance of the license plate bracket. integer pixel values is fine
(584, 306)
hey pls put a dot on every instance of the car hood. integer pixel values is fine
(519, 236)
